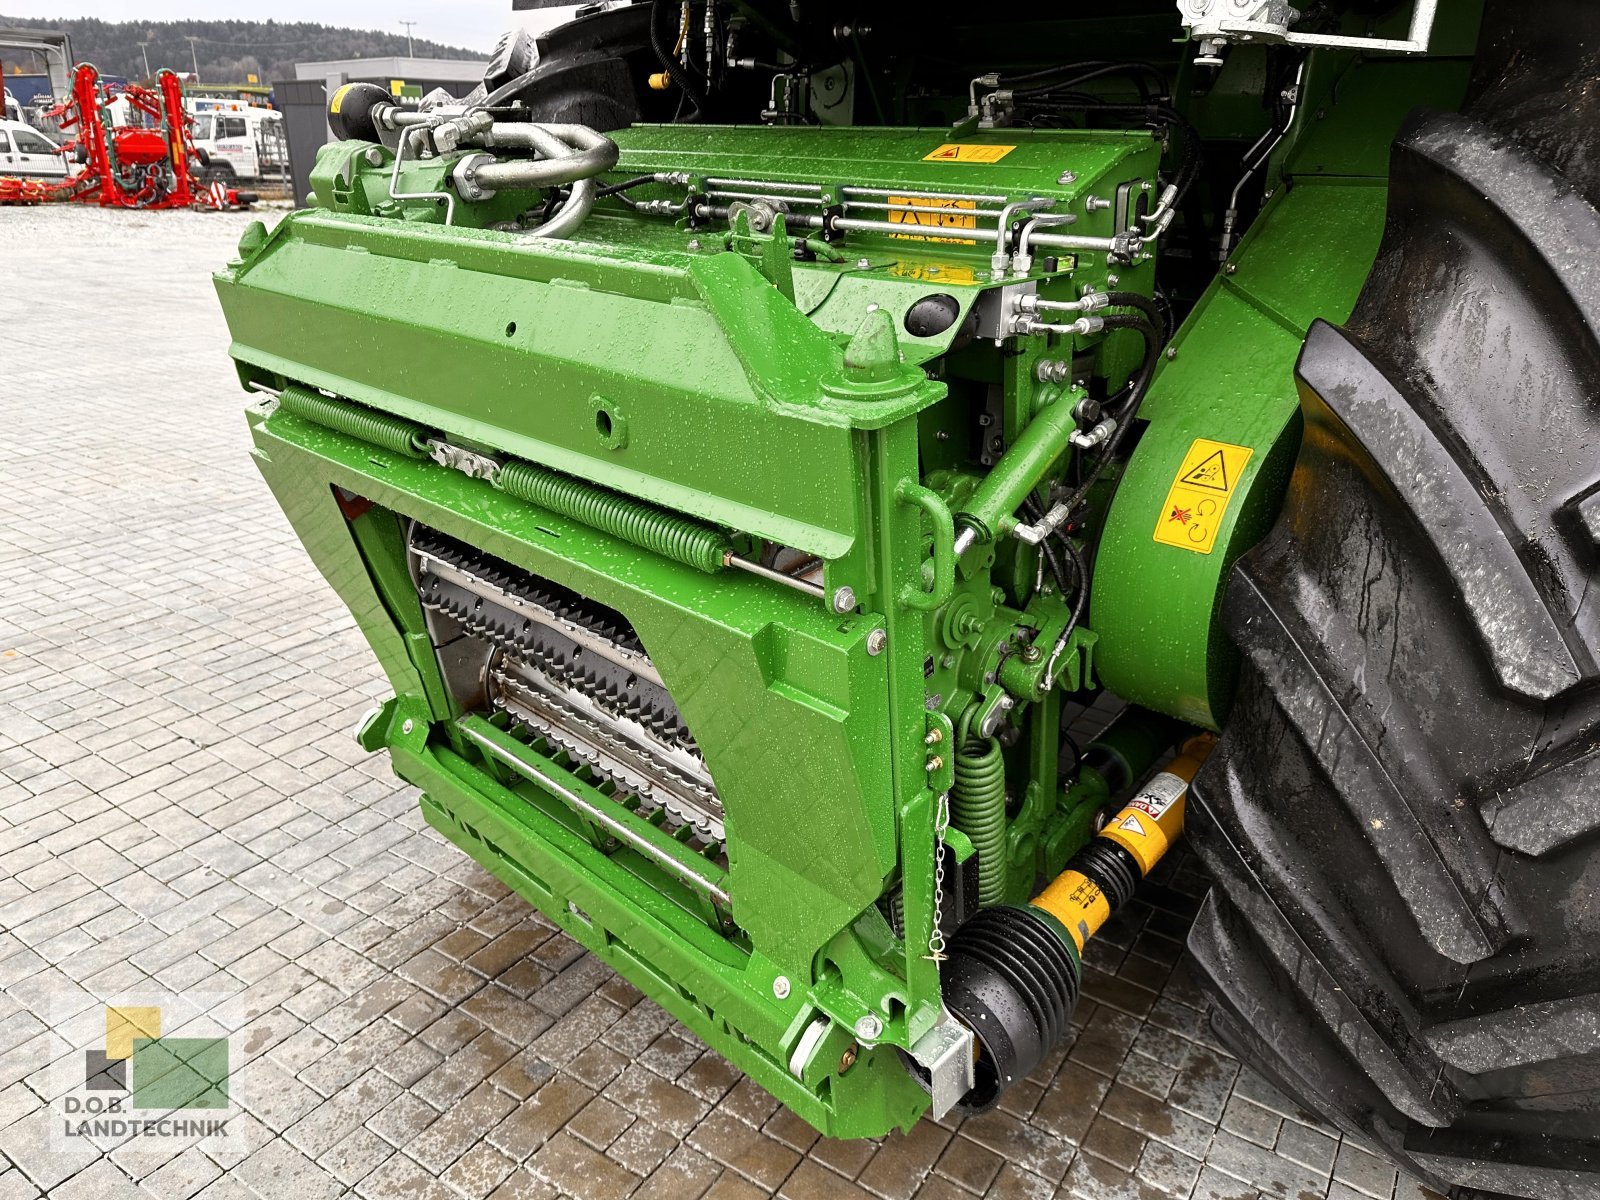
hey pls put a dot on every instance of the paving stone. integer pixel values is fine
(568, 1165)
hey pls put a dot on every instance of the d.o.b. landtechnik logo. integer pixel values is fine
(141, 1084)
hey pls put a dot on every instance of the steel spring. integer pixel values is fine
(645, 525)
(978, 809)
(369, 425)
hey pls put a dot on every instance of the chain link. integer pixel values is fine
(941, 823)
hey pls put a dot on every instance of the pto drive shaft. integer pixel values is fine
(1015, 970)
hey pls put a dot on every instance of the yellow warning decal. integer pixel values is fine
(338, 97)
(934, 213)
(967, 152)
(1200, 493)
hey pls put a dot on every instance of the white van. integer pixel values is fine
(238, 141)
(26, 151)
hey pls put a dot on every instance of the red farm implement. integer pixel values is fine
(149, 162)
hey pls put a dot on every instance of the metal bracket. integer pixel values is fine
(1214, 22)
(459, 458)
(945, 1053)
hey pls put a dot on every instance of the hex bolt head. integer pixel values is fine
(876, 641)
(407, 725)
(1031, 654)
(863, 263)
(780, 987)
(868, 1028)
(844, 599)
(1067, 177)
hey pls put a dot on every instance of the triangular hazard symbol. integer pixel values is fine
(948, 152)
(1211, 474)
(1130, 824)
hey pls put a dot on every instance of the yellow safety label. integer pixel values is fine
(967, 152)
(934, 272)
(1200, 493)
(928, 213)
(338, 97)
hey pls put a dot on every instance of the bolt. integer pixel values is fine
(844, 599)
(948, 661)
(868, 1028)
(863, 264)
(1113, 280)
(780, 987)
(847, 1059)
(694, 243)
(1031, 654)
(407, 725)
(876, 641)
(1067, 177)
(1230, 269)
(935, 736)
(374, 157)
(935, 764)
(1172, 353)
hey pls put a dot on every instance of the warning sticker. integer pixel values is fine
(1158, 795)
(922, 212)
(967, 152)
(1200, 493)
(1130, 824)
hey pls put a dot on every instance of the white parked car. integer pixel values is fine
(26, 151)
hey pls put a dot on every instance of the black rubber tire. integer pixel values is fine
(1403, 815)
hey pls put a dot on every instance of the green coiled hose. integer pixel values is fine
(369, 425)
(645, 525)
(978, 809)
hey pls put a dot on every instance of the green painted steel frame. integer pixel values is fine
(798, 722)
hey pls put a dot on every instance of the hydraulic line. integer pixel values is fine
(978, 809)
(355, 420)
(1014, 971)
(665, 533)
(669, 61)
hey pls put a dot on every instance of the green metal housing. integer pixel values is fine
(635, 412)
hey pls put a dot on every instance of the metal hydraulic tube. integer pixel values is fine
(1015, 970)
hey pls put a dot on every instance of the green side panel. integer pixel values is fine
(784, 699)
(519, 349)
(1155, 605)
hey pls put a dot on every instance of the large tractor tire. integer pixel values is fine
(1403, 815)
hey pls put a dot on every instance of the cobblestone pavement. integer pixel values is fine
(182, 807)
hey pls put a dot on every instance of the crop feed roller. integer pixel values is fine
(749, 434)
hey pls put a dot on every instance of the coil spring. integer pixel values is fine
(381, 429)
(978, 809)
(644, 525)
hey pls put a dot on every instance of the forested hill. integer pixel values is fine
(228, 51)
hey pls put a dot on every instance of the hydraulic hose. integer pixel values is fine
(669, 61)
(1014, 971)
(978, 809)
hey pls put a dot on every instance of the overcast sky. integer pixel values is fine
(471, 23)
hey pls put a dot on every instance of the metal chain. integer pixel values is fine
(941, 823)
